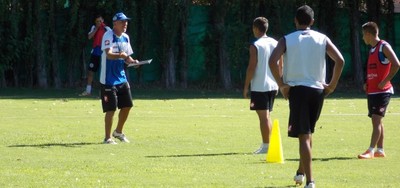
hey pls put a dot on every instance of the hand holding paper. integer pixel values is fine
(130, 60)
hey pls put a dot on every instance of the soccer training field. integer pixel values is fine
(52, 138)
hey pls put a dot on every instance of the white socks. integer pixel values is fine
(371, 149)
(88, 88)
(377, 150)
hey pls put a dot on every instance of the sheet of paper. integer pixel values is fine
(140, 63)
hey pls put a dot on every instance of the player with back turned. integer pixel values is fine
(259, 79)
(303, 83)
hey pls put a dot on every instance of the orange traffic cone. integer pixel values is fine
(275, 152)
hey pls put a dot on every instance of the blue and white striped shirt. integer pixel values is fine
(112, 70)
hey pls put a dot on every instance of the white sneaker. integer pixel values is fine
(84, 94)
(120, 136)
(310, 185)
(261, 150)
(299, 179)
(109, 141)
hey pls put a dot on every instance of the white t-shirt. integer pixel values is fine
(263, 79)
(304, 59)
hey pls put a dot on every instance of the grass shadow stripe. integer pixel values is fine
(327, 159)
(197, 155)
(46, 145)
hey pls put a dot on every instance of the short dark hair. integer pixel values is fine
(261, 24)
(304, 15)
(371, 27)
(98, 16)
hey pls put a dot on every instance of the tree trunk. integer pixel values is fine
(219, 13)
(141, 35)
(73, 44)
(373, 10)
(390, 28)
(168, 17)
(327, 11)
(54, 46)
(30, 62)
(358, 72)
(119, 5)
(170, 71)
(14, 38)
(224, 63)
(3, 79)
(41, 69)
(182, 44)
(16, 70)
(3, 7)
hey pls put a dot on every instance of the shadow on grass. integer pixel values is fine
(314, 159)
(198, 155)
(142, 94)
(149, 94)
(327, 159)
(79, 144)
(287, 186)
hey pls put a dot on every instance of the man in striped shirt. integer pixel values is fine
(115, 89)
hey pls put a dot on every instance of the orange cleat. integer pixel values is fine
(366, 155)
(379, 154)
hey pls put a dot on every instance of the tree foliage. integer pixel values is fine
(44, 42)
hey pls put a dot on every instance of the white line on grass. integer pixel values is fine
(356, 114)
(155, 116)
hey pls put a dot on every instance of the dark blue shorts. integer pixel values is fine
(116, 96)
(94, 63)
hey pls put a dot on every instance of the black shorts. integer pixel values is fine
(305, 105)
(116, 96)
(94, 63)
(377, 104)
(262, 100)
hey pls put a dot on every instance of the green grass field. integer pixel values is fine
(52, 138)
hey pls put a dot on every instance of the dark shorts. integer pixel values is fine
(116, 96)
(305, 105)
(377, 103)
(94, 63)
(262, 100)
